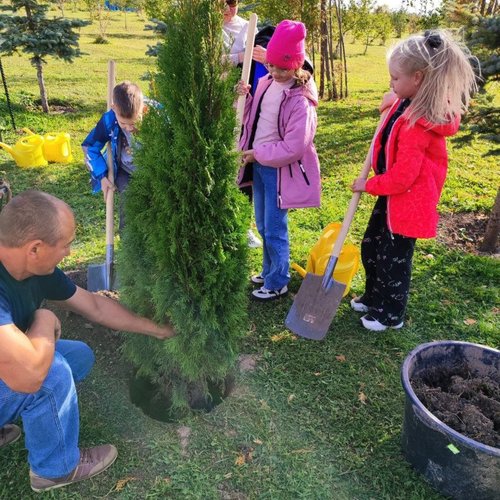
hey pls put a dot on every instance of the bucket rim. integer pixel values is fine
(405, 380)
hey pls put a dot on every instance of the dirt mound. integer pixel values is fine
(462, 231)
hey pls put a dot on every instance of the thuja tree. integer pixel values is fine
(29, 30)
(184, 248)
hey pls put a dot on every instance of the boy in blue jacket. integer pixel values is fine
(118, 126)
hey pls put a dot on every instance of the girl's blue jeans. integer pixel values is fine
(272, 224)
(50, 416)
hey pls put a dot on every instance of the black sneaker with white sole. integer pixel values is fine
(258, 279)
(370, 323)
(264, 293)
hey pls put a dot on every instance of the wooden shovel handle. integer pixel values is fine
(353, 205)
(247, 64)
(109, 159)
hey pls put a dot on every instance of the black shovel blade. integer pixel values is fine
(314, 307)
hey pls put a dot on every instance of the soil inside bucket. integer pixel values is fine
(466, 403)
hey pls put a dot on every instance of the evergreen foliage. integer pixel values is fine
(184, 248)
(38, 36)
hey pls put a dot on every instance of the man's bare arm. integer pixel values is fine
(112, 314)
(25, 358)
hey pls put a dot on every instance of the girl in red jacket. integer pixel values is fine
(432, 80)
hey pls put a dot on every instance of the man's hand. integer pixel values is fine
(111, 314)
(47, 320)
(25, 358)
(164, 332)
(358, 185)
(106, 186)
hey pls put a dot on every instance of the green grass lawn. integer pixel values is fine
(318, 420)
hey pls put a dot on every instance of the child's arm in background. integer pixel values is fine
(93, 147)
(299, 134)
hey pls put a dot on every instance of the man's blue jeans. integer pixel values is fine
(272, 224)
(50, 416)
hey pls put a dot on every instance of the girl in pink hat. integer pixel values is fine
(279, 157)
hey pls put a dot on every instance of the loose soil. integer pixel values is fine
(462, 231)
(466, 403)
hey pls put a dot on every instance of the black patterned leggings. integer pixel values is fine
(387, 259)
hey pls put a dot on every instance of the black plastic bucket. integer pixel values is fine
(454, 464)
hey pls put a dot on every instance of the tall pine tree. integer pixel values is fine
(38, 36)
(184, 248)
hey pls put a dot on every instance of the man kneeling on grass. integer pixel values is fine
(38, 370)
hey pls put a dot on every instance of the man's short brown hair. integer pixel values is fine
(128, 100)
(31, 215)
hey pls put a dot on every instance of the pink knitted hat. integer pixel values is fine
(286, 49)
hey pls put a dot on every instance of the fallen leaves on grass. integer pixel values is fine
(121, 483)
(470, 321)
(302, 450)
(340, 358)
(245, 456)
(362, 397)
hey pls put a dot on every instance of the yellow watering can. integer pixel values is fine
(56, 146)
(27, 152)
(347, 265)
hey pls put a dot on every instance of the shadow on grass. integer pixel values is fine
(29, 105)
(128, 36)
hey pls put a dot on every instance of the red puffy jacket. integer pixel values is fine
(416, 166)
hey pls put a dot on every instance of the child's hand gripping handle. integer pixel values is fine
(346, 223)
(245, 73)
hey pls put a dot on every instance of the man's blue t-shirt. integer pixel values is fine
(20, 299)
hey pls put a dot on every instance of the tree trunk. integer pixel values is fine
(7, 96)
(490, 241)
(41, 84)
(343, 57)
(37, 62)
(482, 7)
(313, 55)
(492, 7)
(325, 63)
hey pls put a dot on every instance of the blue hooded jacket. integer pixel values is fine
(106, 130)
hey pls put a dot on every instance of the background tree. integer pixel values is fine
(38, 36)
(399, 21)
(127, 6)
(97, 11)
(184, 249)
(382, 24)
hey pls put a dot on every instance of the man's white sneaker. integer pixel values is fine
(374, 325)
(358, 306)
(265, 294)
(253, 240)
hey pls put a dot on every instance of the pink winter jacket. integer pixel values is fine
(295, 156)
